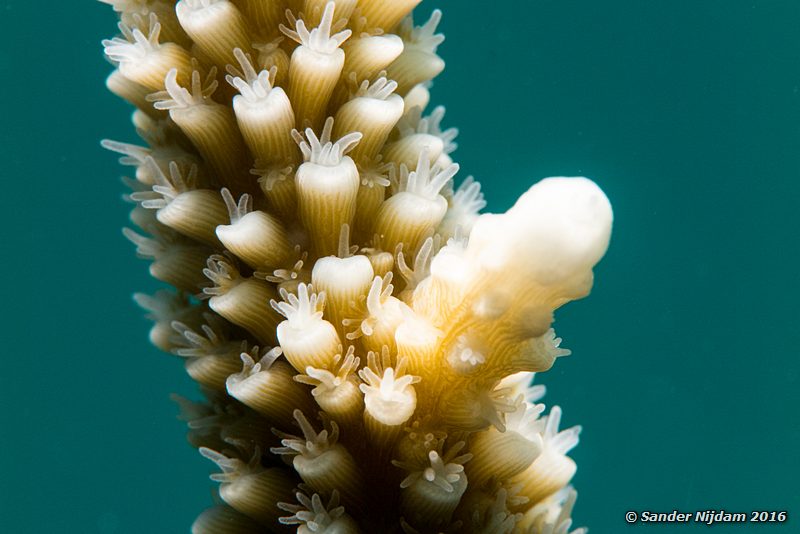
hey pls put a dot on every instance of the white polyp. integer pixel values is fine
(377, 175)
(241, 300)
(174, 260)
(418, 63)
(424, 37)
(465, 205)
(263, 111)
(413, 122)
(267, 49)
(216, 27)
(553, 514)
(176, 97)
(552, 469)
(388, 399)
(157, 131)
(549, 345)
(426, 182)
(146, 247)
(306, 338)
(271, 55)
(141, 217)
(213, 370)
(468, 198)
(383, 314)
(321, 461)
(211, 341)
(133, 92)
(311, 443)
(140, 56)
(232, 468)
(319, 39)
(380, 89)
(489, 511)
(432, 125)
(236, 210)
(444, 476)
(253, 86)
(222, 273)
(412, 449)
(560, 442)
(164, 307)
(327, 186)
(134, 156)
(269, 177)
(521, 384)
(373, 111)
(314, 516)
(442, 162)
(321, 150)
(193, 412)
(314, 68)
(432, 491)
(251, 367)
(336, 392)
(165, 189)
(477, 408)
(422, 264)
(194, 213)
(171, 30)
(249, 487)
(325, 382)
(467, 355)
(254, 236)
(292, 273)
(417, 208)
(524, 419)
(277, 183)
(380, 292)
(266, 385)
(502, 455)
(133, 46)
(301, 310)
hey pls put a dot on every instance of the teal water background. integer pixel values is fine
(685, 365)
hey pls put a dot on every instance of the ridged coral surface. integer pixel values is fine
(365, 339)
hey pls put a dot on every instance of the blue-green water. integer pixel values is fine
(685, 366)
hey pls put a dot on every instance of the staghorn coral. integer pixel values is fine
(365, 338)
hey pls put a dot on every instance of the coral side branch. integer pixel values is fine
(365, 338)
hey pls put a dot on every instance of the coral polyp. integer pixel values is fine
(364, 337)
